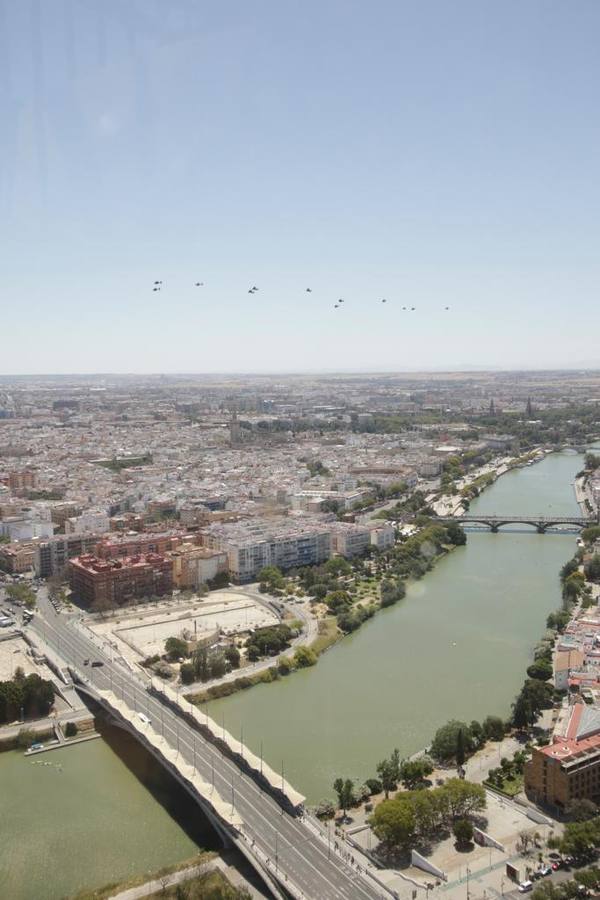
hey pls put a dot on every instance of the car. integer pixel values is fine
(86, 662)
(525, 887)
(144, 718)
(97, 662)
(545, 870)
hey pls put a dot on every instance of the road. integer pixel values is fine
(296, 852)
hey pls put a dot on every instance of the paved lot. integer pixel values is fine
(16, 652)
(144, 632)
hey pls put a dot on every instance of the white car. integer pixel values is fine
(526, 886)
(144, 718)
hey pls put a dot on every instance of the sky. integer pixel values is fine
(432, 153)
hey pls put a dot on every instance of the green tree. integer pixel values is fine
(592, 568)
(460, 747)
(463, 832)
(186, 673)
(493, 728)
(175, 648)
(232, 655)
(271, 578)
(540, 669)
(445, 741)
(456, 534)
(344, 788)
(304, 657)
(413, 772)
(461, 798)
(389, 772)
(393, 822)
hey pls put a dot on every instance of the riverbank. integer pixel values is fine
(367, 588)
(456, 647)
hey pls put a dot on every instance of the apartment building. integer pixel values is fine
(193, 565)
(348, 539)
(114, 582)
(23, 481)
(254, 544)
(17, 558)
(568, 768)
(116, 546)
(95, 520)
(52, 555)
(383, 536)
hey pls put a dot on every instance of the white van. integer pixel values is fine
(144, 718)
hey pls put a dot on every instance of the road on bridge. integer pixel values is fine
(298, 856)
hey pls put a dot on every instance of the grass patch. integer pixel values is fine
(209, 884)
(328, 635)
(108, 890)
(510, 787)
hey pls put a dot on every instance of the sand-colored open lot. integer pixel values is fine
(144, 632)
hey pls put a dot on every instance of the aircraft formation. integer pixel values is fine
(157, 286)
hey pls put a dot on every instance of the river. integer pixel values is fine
(89, 815)
(456, 647)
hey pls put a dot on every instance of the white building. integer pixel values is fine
(349, 540)
(92, 520)
(383, 536)
(254, 544)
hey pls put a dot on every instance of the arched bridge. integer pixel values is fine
(540, 523)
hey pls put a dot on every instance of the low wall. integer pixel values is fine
(421, 862)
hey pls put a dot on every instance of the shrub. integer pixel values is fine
(70, 729)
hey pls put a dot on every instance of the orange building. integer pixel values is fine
(114, 582)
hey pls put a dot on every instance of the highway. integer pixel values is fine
(298, 856)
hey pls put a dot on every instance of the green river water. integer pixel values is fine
(457, 646)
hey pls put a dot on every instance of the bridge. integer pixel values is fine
(250, 806)
(540, 523)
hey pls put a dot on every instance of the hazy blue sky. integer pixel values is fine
(433, 152)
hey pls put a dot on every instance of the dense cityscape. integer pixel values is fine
(206, 535)
(299, 450)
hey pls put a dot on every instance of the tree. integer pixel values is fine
(304, 657)
(375, 786)
(456, 534)
(271, 578)
(186, 673)
(414, 771)
(391, 592)
(337, 566)
(460, 747)
(325, 809)
(445, 741)
(461, 798)
(522, 715)
(463, 832)
(592, 568)
(175, 648)
(581, 810)
(540, 669)
(389, 772)
(344, 790)
(285, 665)
(393, 822)
(232, 655)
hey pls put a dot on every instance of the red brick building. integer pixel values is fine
(136, 544)
(114, 582)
